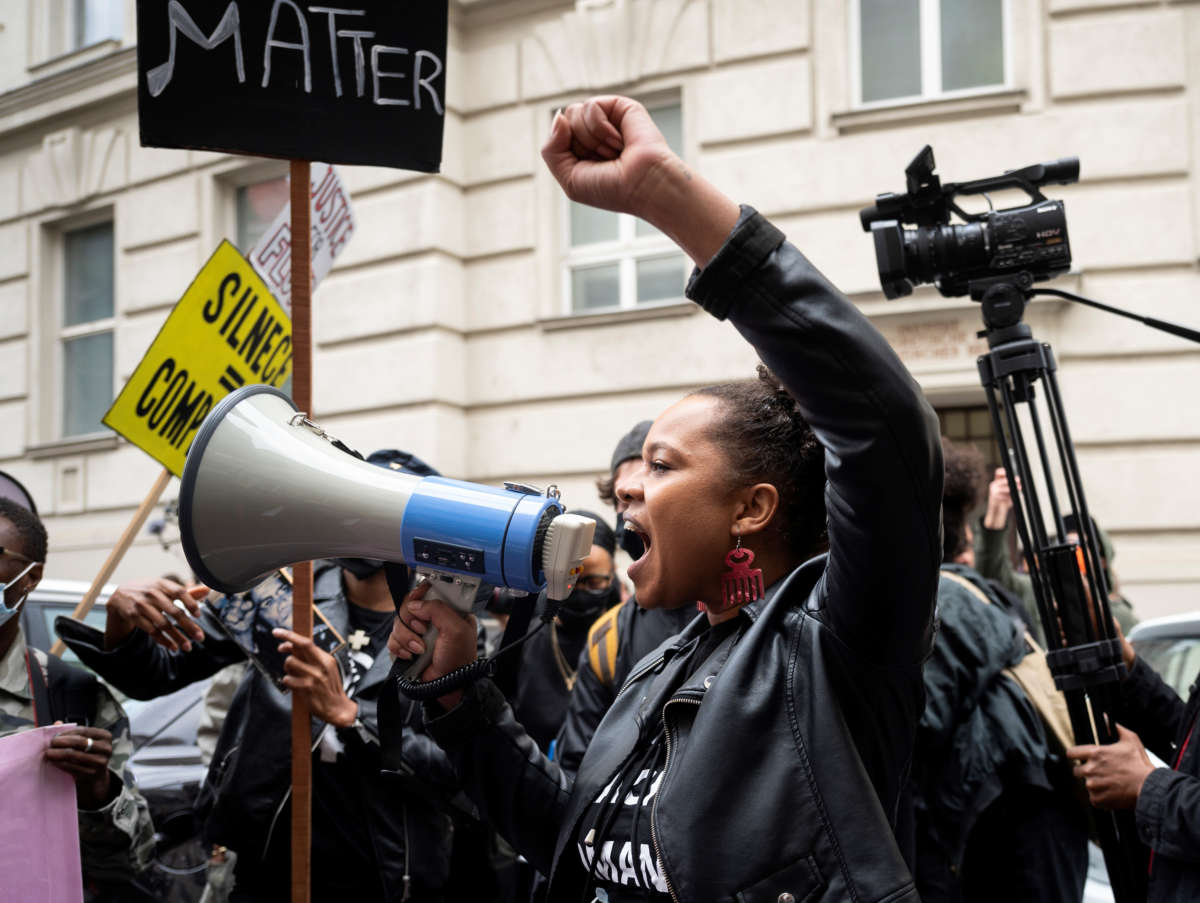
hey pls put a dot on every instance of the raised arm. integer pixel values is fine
(883, 458)
(883, 455)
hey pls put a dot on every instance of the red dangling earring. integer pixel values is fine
(741, 583)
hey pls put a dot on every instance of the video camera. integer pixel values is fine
(1030, 240)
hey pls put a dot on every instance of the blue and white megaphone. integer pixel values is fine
(264, 487)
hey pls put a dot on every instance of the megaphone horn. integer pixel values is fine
(264, 487)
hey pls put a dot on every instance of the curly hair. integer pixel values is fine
(28, 526)
(604, 487)
(962, 493)
(767, 440)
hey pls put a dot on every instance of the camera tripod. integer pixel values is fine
(1069, 584)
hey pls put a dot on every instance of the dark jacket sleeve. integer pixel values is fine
(588, 702)
(992, 561)
(883, 458)
(142, 669)
(1151, 709)
(1168, 814)
(515, 786)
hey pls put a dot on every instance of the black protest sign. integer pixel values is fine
(365, 83)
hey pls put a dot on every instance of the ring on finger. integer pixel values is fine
(88, 748)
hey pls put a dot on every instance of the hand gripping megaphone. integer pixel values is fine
(263, 487)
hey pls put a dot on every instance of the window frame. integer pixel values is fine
(930, 26)
(225, 185)
(627, 250)
(60, 334)
(75, 23)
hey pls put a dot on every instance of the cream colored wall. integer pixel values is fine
(441, 329)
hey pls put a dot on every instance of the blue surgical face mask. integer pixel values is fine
(6, 613)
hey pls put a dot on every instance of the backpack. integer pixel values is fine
(1033, 676)
(602, 645)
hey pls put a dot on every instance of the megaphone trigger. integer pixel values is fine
(421, 662)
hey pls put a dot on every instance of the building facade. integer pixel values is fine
(479, 320)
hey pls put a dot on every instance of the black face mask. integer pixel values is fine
(362, 568)
(583, 606)
(629, 540)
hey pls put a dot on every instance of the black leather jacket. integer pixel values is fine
(248, 785)
(639, 631)
(785, 761)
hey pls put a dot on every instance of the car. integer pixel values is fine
(51, 598)
(1171, 646)
(167, 765)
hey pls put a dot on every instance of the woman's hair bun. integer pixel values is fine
(779, 393)
(766, 439)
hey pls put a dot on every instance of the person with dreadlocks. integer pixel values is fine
(758, 755)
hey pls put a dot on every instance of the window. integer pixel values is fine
(257, 205)
(615, 260)
(93, 21)
(973, 425)
(86, 328)
(909, 49)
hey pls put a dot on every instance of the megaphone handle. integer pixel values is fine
(414, 671)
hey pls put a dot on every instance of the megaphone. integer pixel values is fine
(264, 487)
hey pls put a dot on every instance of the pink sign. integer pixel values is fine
(39, 823)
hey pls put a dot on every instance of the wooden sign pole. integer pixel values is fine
(118, 552)
(302, 574)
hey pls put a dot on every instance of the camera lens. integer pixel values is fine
(890, 257)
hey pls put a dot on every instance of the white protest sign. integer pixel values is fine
(332, 227)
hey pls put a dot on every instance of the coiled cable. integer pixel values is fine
(422, 690)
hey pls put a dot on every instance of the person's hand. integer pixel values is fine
(83, 753)
(999, 501)
(1113, 773)
(456, 640)
(162, 608)
(607, 152)
(312, 670)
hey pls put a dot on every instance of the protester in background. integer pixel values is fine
(546, 672)
(538, 680)
(375, 837)
(116, 836)
(1121, 608)
(996, 815)
(993, 562)
(762, 754)
(1165, 801)
(623, 635)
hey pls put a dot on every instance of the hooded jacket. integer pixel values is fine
(979, 739)
(787, 751)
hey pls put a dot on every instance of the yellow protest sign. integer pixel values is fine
(225, 332)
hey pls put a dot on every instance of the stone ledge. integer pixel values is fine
(652, 311)
(80, 56)
(53, 95)
(76, 445)
(1007, 100)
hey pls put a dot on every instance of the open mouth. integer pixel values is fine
(634, 527)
